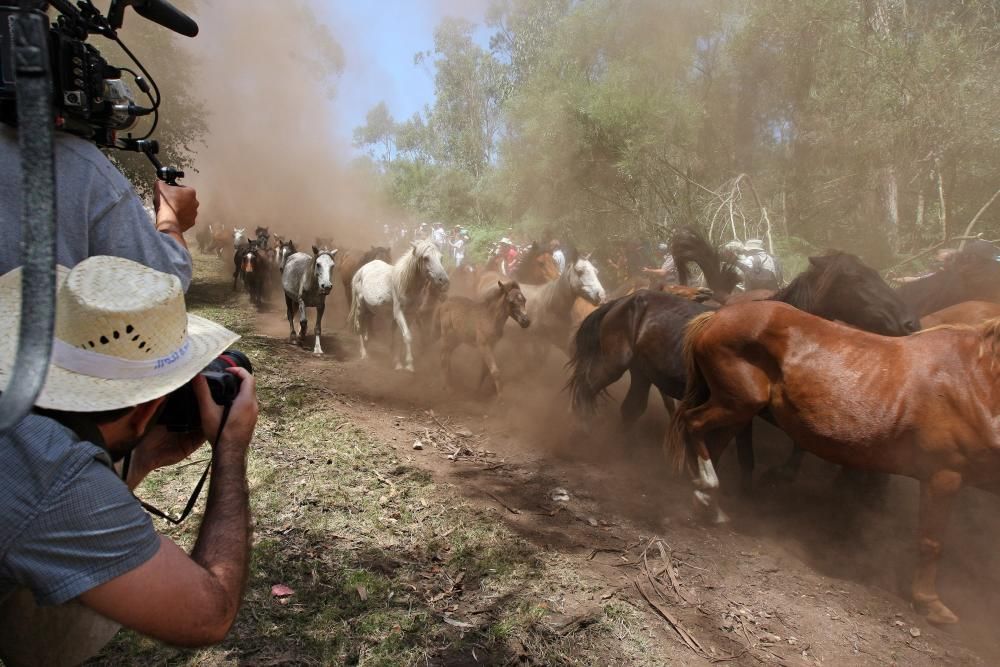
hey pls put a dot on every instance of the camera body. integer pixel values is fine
(181, 413)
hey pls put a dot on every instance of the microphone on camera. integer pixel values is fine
(162, 12)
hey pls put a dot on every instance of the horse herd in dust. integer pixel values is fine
(891, 380)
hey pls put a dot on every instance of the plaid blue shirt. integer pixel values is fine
(67, 522)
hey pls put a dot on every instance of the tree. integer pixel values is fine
(378, 134)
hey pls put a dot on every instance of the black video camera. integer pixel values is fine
(91, 100)
(181, 414)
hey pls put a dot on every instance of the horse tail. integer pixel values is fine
(354, 316)
(677, 446)
(587, 353)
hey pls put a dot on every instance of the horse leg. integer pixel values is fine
(936, 497)
(635, 401)
(317, 348)
(787, 472)
(744, 451)
(303, 322)
(404, 329)
(364, 322)
(446, 349)
(290, 314)
(491, 364)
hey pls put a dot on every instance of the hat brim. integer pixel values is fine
(76, 392)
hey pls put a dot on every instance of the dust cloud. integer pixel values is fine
(267, 75)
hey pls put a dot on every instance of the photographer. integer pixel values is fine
(78, 555)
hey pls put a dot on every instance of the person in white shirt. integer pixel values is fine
(760, 270)
(558, 255)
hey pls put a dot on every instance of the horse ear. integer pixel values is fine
(334, 252)
(503, 288)
(315, 250)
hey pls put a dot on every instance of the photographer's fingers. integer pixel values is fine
(243, 413)
(211, 413)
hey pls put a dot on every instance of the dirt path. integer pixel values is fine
(803, 575)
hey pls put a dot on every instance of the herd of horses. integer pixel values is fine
(875, 378)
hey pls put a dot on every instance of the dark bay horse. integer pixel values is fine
(967, 277)
(924, 406)
(642, 333)
(255, 270)
(689, 246)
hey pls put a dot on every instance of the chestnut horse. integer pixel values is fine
(354, 260)
(923, 406)
(967, 312)
(481, 323)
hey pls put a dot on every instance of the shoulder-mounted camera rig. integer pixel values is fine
(89, 96)
(49, 77)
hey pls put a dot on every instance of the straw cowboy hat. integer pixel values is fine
(754, 244)
(122, 337)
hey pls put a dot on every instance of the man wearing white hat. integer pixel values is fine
(78, 555)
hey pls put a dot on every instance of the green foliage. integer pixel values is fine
(866, 125)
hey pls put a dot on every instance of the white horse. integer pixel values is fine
(239, 236)
(306, 280)
(377, 285)
(550, 305)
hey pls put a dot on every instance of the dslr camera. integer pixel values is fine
(90, 97)
(181, 413)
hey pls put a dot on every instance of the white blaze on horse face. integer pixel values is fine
(324, 269)
(586, 282)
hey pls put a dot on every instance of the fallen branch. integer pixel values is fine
(675, 624)
(512, 510)
(975, 218)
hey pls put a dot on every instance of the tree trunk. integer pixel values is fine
(942, 202)
(918, 223)
(889, 198)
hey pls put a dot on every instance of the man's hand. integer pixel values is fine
(242, 415)
(160, 448)
(175, 204)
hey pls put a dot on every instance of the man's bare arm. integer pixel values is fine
(193, 600)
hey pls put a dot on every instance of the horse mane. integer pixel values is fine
(406, 269)
(689, 244)
(809, 287)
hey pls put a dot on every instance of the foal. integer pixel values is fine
(480, 323)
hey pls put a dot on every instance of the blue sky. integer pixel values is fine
(380, 40)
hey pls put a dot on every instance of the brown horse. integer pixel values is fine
(354, 260)
(536, 266)
(967, 312)
(969, 276)
(481, 323)
(221, 239)
(923, 406)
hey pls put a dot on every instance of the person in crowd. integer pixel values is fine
(78, 554)
(760, 269)
(555, 247)
(98, 211)
(508, 256)
(458, 246)
(667, 272)
(438, 236)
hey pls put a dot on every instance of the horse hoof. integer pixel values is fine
(937, 613)
(398, 366)
(409, 369)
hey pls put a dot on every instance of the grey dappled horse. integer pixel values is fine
(378, 285)
(307, 280)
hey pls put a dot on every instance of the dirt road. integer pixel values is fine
(593, 556)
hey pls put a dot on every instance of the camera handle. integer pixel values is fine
(198, 487)
(149, 148)
(38, 215)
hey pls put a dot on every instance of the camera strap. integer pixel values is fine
(198, 487)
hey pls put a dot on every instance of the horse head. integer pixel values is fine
(428, 258)
(239, 236)
(582, 275)
(323, 264)
(250, 259)
(285, 250)
(515, 302)
(845, 288)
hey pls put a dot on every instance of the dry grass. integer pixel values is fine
(378, 555)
